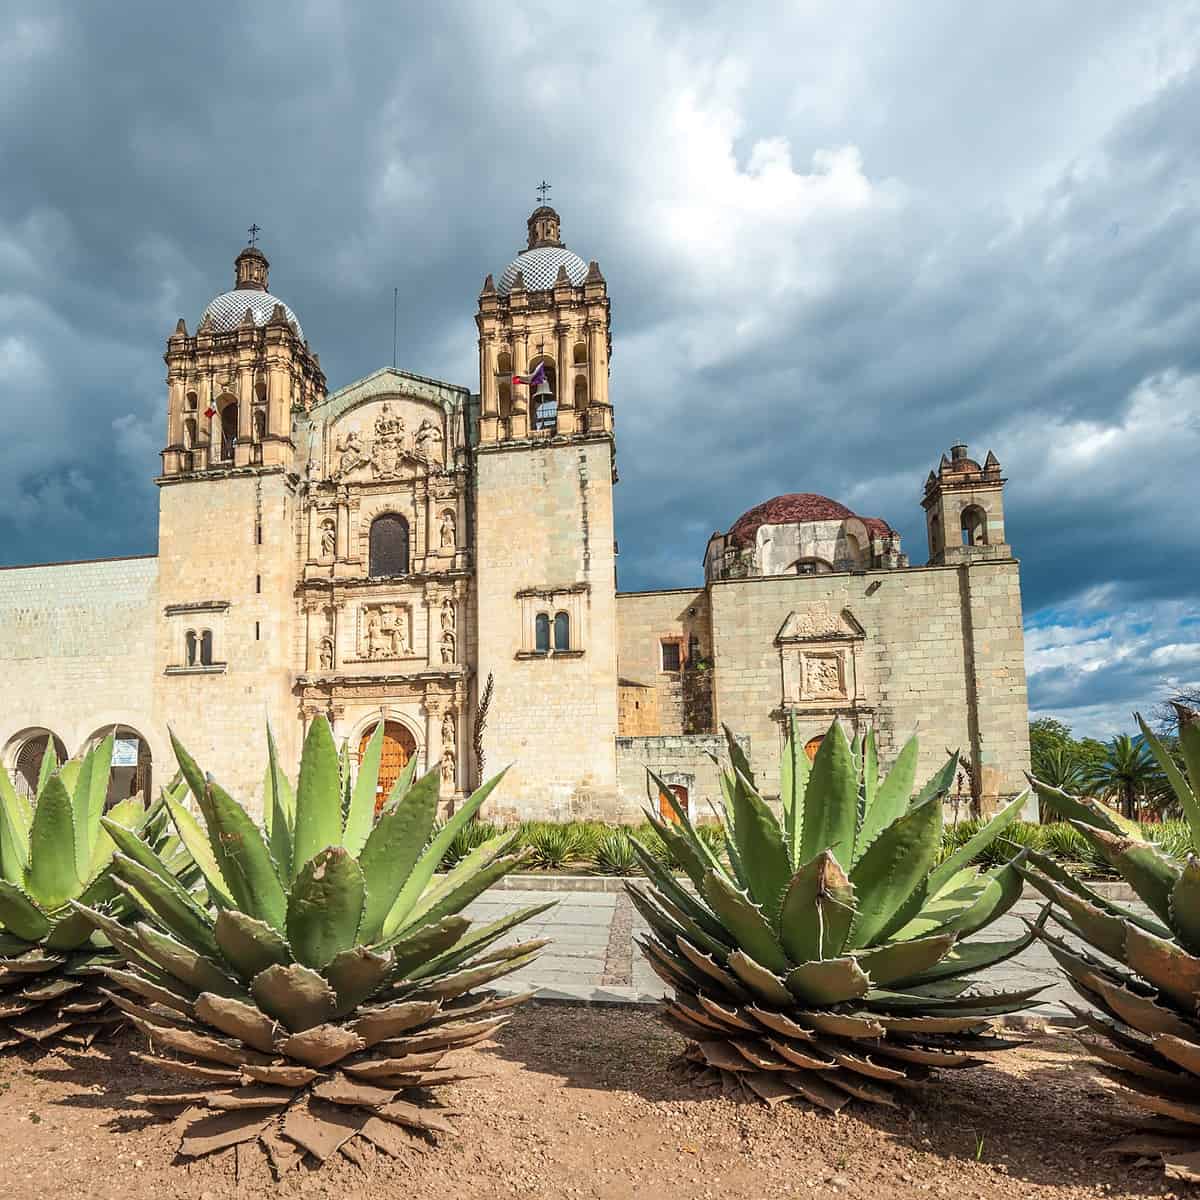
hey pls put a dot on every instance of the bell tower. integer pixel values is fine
(545, 555)
(964, 509)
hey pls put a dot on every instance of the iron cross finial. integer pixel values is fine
(253, 231)
(543, 191)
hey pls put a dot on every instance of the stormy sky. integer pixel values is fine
(839, 236)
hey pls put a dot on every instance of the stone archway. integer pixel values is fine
(27, 762)
(399, 746)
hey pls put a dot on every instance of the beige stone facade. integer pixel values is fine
(380, 552)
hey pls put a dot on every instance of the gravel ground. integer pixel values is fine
(595, 1105)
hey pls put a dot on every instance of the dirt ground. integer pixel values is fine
(595, 1105)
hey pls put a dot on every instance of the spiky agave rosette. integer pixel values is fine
(53, 852)
(1143, 991)
(316, 1000)
(830, 959)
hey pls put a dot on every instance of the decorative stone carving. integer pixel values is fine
(326, 654)
(429, 442)
(328, 538)
(818, 622)
(449, 735)
(447, 648)
(389, 424)
(449, 616)
(448, 536)
(384, 631)
(349, 453)
(449, 763)
(823, 675)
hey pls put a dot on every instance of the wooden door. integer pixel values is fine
(664, 805)
(812, 746)
(398, 747)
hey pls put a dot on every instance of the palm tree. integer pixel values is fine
(1059, 767)
(1127, 773)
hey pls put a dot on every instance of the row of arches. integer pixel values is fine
(132, 769)
(543, 627)
(228, 415)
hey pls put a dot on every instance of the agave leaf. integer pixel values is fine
(362, 801)
(198, 846)
(794, 769)
(891, 798)
(745, 920)
(429, 861)
(830, 981)
(248, 944)
(400, 788)
(817, 910)
(52, 877)
(356, 974)
(325, 907)
(766, 985)
(132, 846)
(445, 895)
(417, 947)
(667, 886)
(761, 848)
(47, 769)
(1097, 927)
(242, 857)
(68, 933)
(393, 848)
(168, 900)
(344, 780)
(20, 915)
(685, 828)
(975, 845)
(89, 792)
(1166, 965)
(831, 801)
(893, 869)
(1089, 812)
(477, 939)
(318, 796)
(680, 848)
(16, 816)
(1185, 905)
(1002, 889)
(905, 960)
(965, 958)
(181, 962)
(447, 987)
(279, 809)
(870, 770)
(1150, 873)
(939, 783)
(295, 995)
(1187, 797)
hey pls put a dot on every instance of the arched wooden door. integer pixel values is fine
(812, 746)
(399, 746)
(664, 805)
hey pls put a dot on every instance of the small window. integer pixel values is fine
(206, 648)
(562, 631)
(190, 648)
(693, 651)
(388, 546)
(974, 526)
(257, 631)
(258, 583)
(670, 656)
(579, 354)
(581, 400)
(541, 633)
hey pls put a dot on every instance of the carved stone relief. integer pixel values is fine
(448, 536)
(823, 675)
(385, 631)
(391, 452)
(328, 538)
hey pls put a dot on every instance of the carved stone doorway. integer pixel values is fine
(399, 746)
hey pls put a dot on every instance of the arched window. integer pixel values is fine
(229, 429)
(206, 649)
(260, 424)
(506, 399)
(189, 433)
(974, 526)
(260, 390)
(389, 546)
(28, 767)
(562, 631)
(190, 648)
(541, 633)
(812, 746)
(812, 566)
(192, 402)
(581, 399)
(579, 353)
(544, 410)
(504, 363)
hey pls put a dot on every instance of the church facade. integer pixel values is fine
(443, 560)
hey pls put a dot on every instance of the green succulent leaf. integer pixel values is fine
(52, 877)
(325, 907)
(761, 848)
(1085, 811)
(198, 846)
(167, 899)
(1185, 905)
(318, 796)
(90, 790)
(16, 816)
(279, 809)
(20, 915)
(975, 845)
(294, 995)
(831, 805)
(417, 947)
(356, 974)
(891, 798)
(895, 868)
(817, 910)
(829, 981)
(182, 962)
(794, 770)
(746, 921)
(899, 961)
(965, 958)
(248, 944)
(684, 828)
(471, 886)
(1184, 793)
(939, 783)
(362, 801)
(1002, 889)
(1150, 873)
(48, 768)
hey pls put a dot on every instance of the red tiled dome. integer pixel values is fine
(797, 508)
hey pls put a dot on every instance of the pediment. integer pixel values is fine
(390, 438)
(820, 623)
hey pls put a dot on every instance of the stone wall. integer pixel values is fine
(678, 759)
(77, 647)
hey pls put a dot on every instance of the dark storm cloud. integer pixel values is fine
(837, 240)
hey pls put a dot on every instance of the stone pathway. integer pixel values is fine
(593, 958)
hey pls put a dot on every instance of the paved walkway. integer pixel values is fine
(593, 958)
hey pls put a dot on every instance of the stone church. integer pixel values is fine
(443, 560)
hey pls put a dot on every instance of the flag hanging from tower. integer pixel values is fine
(538, 376)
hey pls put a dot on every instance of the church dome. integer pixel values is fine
(227, 311)
(797, 508)
(229, 308)
(539, 267)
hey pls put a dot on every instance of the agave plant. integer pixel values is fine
(315, 1002)
(614, 854)
(831, 960)
(53, 852)
(1143, 988)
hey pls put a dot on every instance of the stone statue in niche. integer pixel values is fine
(448, 733)
(350, 454)
(447, 648)
(385, 632)
(449, 762)
(326, 654)
(448, 615)
(328, 538)
(429, 442)
(449, 541)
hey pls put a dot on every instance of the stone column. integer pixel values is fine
(489, 395)
(434, 707)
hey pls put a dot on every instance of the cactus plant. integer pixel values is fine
(53, 852)
(315, 1001)
(1142, 987)
(831, 960)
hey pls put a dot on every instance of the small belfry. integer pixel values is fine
(964, 509)
(544, 342)
(232, 386)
